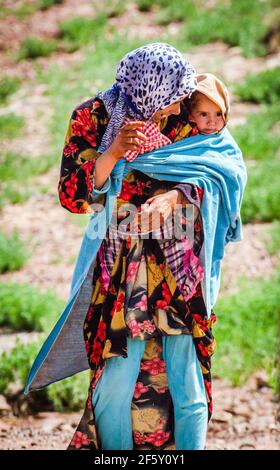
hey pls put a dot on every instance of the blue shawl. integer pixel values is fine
(213, 162)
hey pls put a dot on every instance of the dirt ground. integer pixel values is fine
(243, 417)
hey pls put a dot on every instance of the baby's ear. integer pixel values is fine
(190, 117)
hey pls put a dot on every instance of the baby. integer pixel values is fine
(208, 106)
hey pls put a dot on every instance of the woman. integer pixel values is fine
(147, 335)
(153, 81)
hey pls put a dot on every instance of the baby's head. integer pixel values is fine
(209, 104)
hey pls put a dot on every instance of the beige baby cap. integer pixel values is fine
(215, 90)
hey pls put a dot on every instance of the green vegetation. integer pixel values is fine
(66, 395)
(13, 252)
(247, 330)
(237, 23)
(273, 245)
(262, 195)
(45, 4)
(15, 364)
(15, 169)
(26, 8)
(257, 138)
(263, 87)
(112, 8)
(11, 126)
(8, 86)
(32, 47)
(80, 31)
(260, 144)
(22, 307)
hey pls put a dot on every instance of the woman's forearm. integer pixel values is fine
(103, 167)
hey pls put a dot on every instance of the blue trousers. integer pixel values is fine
(114, 392)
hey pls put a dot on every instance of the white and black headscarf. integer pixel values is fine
(148, 79)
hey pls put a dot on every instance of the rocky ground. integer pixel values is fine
(244, 417)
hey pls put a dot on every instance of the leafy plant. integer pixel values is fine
(8, 86)
(13, 252)
(11, 126)
(22, 307)
(247, 329)
(263, 87)
(32, 47)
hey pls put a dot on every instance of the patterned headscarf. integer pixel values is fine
(148, 79)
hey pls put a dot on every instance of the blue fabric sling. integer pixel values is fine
(213, 162)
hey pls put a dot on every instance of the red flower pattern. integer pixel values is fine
(139, 389)
(79, 440)
(83, 125)
(70, 149)
(154, 367)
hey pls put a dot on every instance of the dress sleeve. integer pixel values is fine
(76, 182)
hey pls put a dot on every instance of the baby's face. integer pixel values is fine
(207, 116)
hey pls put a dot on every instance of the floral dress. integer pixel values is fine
(141, 287)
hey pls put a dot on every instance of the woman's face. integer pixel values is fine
(174, 108)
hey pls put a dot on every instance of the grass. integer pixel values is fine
(32, 47)
(66, 395)
(260, 145)
(273, 245)
(247, 330)
(45, 4)
(22, 307)
(11, 126)
(8, 86)
(237, 23)
(80, 31)
(16, 173)
(263, 87)
(20, 168)
(257, 138)
(13, 252)
(261, 201)
(26, 8)
(12, 193)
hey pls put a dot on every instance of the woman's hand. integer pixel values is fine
(156, 209)
(129, 137)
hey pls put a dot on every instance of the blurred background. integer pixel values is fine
(53, 55)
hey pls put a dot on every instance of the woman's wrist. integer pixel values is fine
(109, 157)
(103, 168)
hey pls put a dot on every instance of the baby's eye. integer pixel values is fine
(219, 114)
(203, 114)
